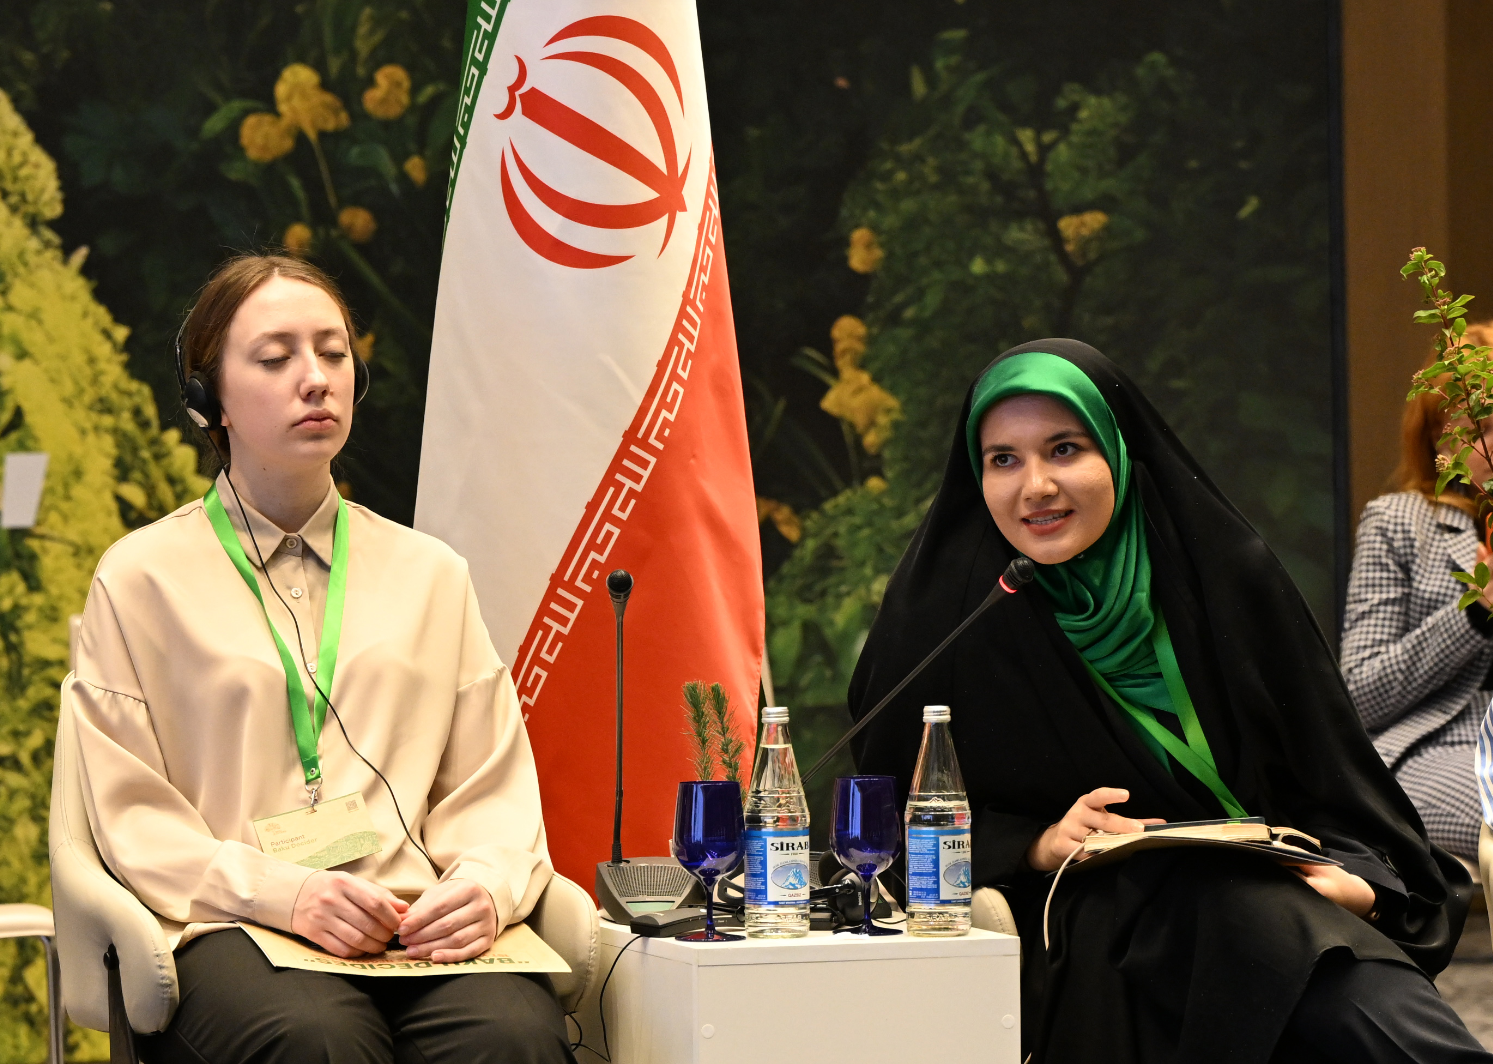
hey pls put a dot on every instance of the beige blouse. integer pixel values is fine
(185, 731)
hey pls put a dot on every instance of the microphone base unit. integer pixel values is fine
(669, 923)
(641, 885)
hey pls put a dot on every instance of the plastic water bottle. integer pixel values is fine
(938, 850)
(777, 837)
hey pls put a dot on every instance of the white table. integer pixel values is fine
(821, 998)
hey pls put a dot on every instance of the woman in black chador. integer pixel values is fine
(1161, 667)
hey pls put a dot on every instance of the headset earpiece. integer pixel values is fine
(360, 379)
(201, 401)
(197, 393)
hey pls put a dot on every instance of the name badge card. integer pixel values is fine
(324, 835)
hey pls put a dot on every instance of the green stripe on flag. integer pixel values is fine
(483, 19)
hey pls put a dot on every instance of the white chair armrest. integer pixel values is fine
(93, 911)
(20, 920)
(989, 911)
(565, 917)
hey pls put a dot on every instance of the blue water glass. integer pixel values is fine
(707, 842)
(867, 835)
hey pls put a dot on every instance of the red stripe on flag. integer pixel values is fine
(597, 215)
(540, 241)
(677, 509)
(630, 30)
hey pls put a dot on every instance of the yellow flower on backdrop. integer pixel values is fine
(389, 96)
(868, 406)
(864, 254)
(782, 516)
(848, 334)
(1081, 235)
(855, 397)
(357, 223)
(266, 137)
(415, 170)
(297, 238)
(300, 98)
(303, 105)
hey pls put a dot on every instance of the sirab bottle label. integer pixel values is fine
(777, 867)
(937, 865)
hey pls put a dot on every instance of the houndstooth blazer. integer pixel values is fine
(1412, 660)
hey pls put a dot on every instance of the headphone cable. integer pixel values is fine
(228, 476)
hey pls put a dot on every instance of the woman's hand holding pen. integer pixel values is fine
(1087, 815)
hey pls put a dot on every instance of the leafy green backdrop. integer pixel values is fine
(907, 190)
(64, 390)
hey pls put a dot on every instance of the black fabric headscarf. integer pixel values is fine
(1147, 944)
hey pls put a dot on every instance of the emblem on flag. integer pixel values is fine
(539, 108)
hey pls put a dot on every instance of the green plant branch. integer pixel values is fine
(1075, 271)
(326, 174)
(386, 295)
(1460, 376)
(728, 744)
(852, 449)
(697, 715)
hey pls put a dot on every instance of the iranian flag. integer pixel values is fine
(585, 410)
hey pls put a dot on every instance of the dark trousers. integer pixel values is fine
(236, 1009)
(1374, 1012)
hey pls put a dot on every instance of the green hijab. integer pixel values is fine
(1102, 597)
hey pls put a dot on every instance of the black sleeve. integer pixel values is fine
(1358, 859)
(999, 842)
(1391, 900)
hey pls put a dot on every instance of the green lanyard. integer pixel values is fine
(1194, 755)
(307, 727)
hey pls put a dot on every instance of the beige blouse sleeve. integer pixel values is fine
(484, 822)
(147, 831)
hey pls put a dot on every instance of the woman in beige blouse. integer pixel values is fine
(184, 713)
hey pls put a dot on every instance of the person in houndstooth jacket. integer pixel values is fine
(1417, 667)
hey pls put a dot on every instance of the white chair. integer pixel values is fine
(35, 921)
(989, 911)
(118, 974)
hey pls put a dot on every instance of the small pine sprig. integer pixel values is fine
(728, 743)
(1462, 376)
(701, 732)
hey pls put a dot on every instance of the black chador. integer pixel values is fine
(1175, 955)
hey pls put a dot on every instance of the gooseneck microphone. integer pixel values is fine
(630, 888)
(1020, 572)
(619, 586)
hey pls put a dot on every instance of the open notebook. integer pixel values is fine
(1252, 834)
(1245, 834)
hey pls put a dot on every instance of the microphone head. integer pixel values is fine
(619, 585)
(1020, 571)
